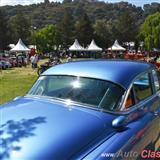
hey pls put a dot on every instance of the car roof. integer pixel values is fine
(121, 72)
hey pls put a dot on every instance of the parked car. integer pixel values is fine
(8, 64)
(87, 110)
(22, 59)
(5, 64)
(2, 62)
(156, 63)
(2, 65)
(15, 61)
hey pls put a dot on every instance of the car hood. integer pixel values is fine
(32, 128)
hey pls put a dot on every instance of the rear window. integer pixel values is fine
(95, 92)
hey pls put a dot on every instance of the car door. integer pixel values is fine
(141, 104)
(156, 108)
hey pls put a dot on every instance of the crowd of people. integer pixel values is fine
(58, 57)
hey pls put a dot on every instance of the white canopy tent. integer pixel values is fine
(76, 46)
(93, 47)
(116, 47)
(20, 47)
(11, 46)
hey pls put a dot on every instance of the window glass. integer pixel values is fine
(142, 87)
(39, 87)
(95, 92)
(156, 80)
(112, 98)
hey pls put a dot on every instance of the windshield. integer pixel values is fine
(95, 92)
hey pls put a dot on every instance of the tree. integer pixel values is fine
(47, 38)
(126, 27)
(150, 31)
(46, 1)
(84, 30)
(151, 8)
(101, 27)
(3, 30)
(21, 27)
(67, 27)
(79, 9)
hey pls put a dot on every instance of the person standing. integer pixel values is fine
(32, 61)
(35, 61)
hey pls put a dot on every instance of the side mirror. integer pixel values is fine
(119, 122)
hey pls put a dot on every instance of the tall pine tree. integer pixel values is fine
(3, 31)
(84, 30)
(67, 27)
(21, 27)
(126, 27)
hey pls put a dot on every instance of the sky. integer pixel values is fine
(27, 2)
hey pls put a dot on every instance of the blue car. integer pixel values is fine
(88, 110)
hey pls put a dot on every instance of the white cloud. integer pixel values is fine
(135, 2)
(22, 2)
(15, 2)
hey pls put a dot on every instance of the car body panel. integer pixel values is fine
(54, 124)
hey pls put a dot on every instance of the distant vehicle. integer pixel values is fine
(43, 67)
(8, 64)
(5, 64)
(15, 62)
(88, 110)
(52, 62)
(2, 65)
(21, 59)
(156, 63)
(7, 59)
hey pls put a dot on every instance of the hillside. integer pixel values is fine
(52, 13)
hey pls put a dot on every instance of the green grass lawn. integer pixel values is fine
(15, 82)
